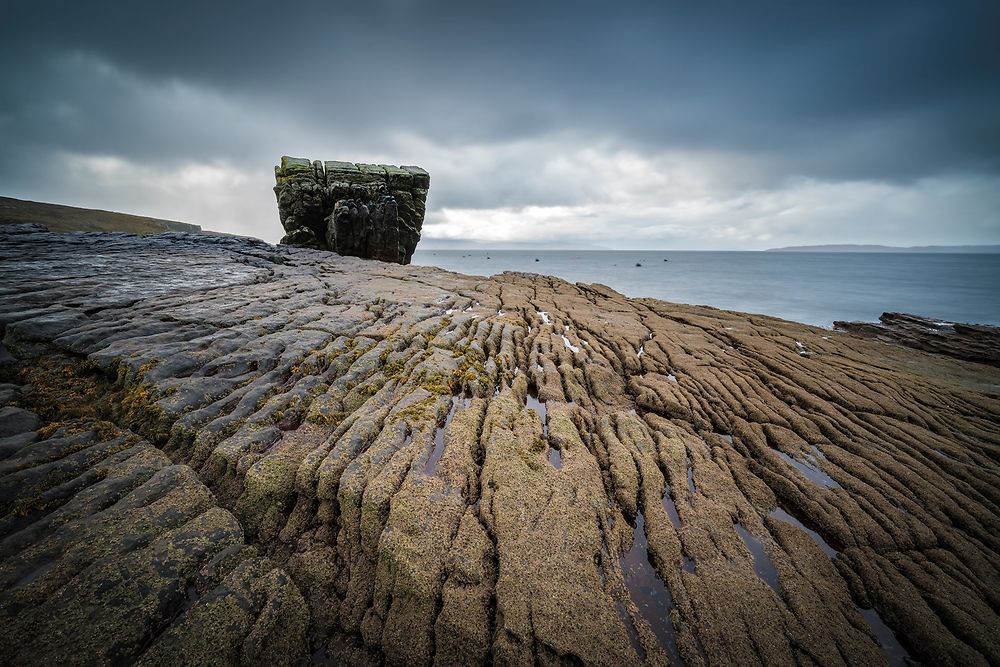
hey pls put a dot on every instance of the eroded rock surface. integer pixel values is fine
(970, 342)
(365, 210)
(260, 454)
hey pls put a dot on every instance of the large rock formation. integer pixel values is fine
(969, 342)
(280, 453)
(365, 210)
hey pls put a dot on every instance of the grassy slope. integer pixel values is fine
(59, 218)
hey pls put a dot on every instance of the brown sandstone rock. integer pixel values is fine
(282, 452)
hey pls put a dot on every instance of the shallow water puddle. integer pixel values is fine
(811, 472)
(781, 515)
(532, 403)
(670, 507)
(568, 344)
(438, 451)
(555, 458)
(648, 591)
(895, 653)
(762, 564)
(692, 489)
(688, 564)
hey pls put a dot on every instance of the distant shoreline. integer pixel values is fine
(926, 249)
(845, 249)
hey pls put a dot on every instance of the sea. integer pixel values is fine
(811, 287)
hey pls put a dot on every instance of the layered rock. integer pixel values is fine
(969, 342)
(374, 211)
(376, 464)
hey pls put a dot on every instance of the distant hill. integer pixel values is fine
(59, 218)
(850, 247)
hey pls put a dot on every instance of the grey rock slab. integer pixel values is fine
(15, 421)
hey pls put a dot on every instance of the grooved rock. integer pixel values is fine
(247, 454)
(970, 342)
(365, 210)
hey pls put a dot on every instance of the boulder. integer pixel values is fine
(373, 211)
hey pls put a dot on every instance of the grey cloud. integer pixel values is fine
(891, 92)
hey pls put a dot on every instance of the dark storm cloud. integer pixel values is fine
(857, 91)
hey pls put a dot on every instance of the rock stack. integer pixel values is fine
(362, 210)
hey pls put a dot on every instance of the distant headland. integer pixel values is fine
(851, 247)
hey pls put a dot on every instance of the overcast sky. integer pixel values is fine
(687, 125)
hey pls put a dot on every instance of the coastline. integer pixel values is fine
(405, 464)
(812, 288)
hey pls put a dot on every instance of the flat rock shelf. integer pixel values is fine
(217, 451)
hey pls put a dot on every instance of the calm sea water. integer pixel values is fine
(815, 288)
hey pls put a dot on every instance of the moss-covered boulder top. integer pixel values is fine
(216, 451)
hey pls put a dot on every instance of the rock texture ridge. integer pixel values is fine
(971, 342)
(219, 451)
(364, 210)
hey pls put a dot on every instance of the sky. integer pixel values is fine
(625, 125)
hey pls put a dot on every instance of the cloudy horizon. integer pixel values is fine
(663, 126)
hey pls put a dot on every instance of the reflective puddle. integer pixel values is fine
(670, 507)
(813, 473)
(569, 345)
(648, 591)
(555, 458)
(781, 515)
(894, 652)
(438, 450)
(532, 403)
(762, 564)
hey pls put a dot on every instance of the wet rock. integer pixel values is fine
(970, 342)
(256, 454)
(364, 210)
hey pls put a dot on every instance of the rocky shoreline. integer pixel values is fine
(219, 451)
(969, 342)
